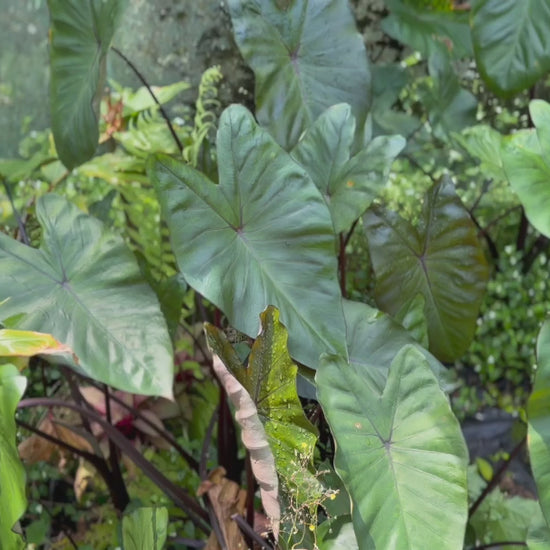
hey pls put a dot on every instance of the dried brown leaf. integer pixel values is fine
(255, 440)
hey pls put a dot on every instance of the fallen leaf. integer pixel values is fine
(227, 499)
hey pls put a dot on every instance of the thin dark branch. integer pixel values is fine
(350, 232)
(119, 497)
(77, 397)
(250, 490)
(204, 475)
(501, 216)
(206, 445)
(200, 307)
(247, 530)
(522, 232)
(493, 250)
(484, 189)
(196, 513)
(106, 392)
(215, 524)
(496, 477)
(167, 436)
(43, 377)
(59, 180)
(118, 480)
(20, 224)
(379, 54)
(227, 440)
(417, 165)
(63, 531)
(316, 414)
(146, 84)
(540, 245)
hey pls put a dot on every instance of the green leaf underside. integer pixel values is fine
(263, 236)
(527, 165)
(400, 453)
(349, 184)
(145, 529)
(428, 31)
(270, 379)
(511, 42)
(81, 33)
(484, 143)
(538, 413)
(442, 260)
(306, 58)
(13, 500)
(84, 287)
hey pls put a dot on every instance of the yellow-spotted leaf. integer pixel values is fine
(270, 380)
(26, 343)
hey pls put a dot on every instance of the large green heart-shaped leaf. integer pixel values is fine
(81, 33)
(349, 185)
(527, 165)
(441, 259)
(374, 339)
(400, 453)
(511, 42)
(428, 31)
(13, 501)
(270, 379)
(84, 287)
(263, 236)
(538, 413)
(306, 56)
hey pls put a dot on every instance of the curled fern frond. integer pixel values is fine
(207, 105)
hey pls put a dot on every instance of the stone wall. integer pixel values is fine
(168, 40)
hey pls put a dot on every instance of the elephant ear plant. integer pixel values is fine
(266, 244)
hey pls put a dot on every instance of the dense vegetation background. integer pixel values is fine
(222, 325)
